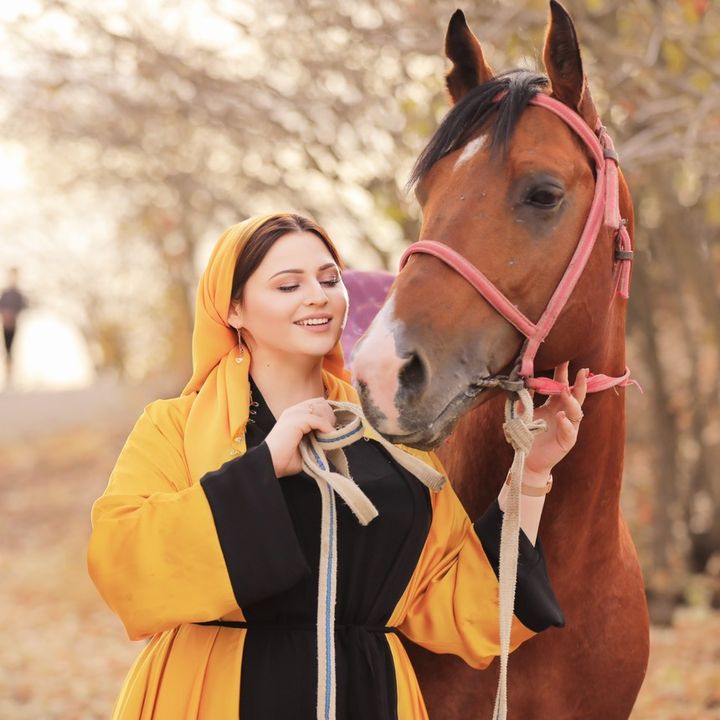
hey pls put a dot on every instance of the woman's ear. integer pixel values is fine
(235, 315)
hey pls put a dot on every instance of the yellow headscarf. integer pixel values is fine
(215, 427)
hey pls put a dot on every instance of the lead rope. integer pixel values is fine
(318, 451)
(519, 430)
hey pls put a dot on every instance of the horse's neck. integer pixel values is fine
(586, 489)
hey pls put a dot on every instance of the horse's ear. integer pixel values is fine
(564, 65)
(469, 66)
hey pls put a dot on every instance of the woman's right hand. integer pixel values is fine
(294, 422)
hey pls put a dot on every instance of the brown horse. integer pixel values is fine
(508, 185)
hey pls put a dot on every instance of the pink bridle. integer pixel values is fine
(605, 207)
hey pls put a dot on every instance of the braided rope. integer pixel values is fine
(519, 432)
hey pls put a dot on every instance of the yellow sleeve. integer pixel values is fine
(154, 554)
(454, 603)
(164, 551)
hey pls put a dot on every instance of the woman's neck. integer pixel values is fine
(284, 382)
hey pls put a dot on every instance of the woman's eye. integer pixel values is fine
(545, 198)
(330, 282)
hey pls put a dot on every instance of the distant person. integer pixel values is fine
(12, 303)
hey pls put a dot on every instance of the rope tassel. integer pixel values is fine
(519, 432)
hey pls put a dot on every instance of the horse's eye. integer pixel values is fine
(545, 198)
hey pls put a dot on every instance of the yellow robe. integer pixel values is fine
(155, 557)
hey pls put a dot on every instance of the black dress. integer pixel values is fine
(375, 564)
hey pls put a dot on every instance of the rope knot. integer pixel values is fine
(520, 433)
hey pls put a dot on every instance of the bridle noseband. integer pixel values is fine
(605, 209)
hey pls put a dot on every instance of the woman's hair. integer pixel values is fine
(260, 242)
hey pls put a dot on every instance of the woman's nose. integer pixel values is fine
(316, 295)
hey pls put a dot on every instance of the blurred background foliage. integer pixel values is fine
(145, 127)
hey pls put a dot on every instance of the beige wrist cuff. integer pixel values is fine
(534, 490)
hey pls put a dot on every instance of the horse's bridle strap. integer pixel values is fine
(477, 279)
(595, 383)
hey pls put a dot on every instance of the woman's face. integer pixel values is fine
(295, 301)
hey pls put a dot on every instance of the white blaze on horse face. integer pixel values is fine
(471, 149)
(376, 364)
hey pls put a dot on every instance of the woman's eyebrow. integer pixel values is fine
(299, 271)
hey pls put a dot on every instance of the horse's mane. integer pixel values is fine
(473, 111)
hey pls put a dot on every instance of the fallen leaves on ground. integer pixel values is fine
(63, 653)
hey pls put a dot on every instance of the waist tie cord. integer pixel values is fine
(318, 450)
(284, 627)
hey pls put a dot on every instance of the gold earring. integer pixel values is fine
(241, 355)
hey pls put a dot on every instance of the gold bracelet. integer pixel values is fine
(534, 490)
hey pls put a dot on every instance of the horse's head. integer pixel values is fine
(508, 185)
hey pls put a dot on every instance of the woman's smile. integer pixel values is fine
(315, 323)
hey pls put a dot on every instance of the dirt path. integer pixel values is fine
(63, 654)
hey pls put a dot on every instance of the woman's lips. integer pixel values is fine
(320, 328)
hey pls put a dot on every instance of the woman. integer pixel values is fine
(207, 541)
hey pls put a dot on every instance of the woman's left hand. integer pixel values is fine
(563, 414)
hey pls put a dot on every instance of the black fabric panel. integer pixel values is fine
(535, 603)
(375, 564)
(256, 533)
(279, 674)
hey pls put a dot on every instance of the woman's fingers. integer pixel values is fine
(570, 413)
(321, 422)
(321, 408)
(579, 390)
(571, 407)
(561, 372)
(566, 431)
(313, 421)
(322, 414)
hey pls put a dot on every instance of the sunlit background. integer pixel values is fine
(134, 132)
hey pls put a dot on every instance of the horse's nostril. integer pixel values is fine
(413, 376)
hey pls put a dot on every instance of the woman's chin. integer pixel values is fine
(316, 345)
(321, 345)
(316, 350)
